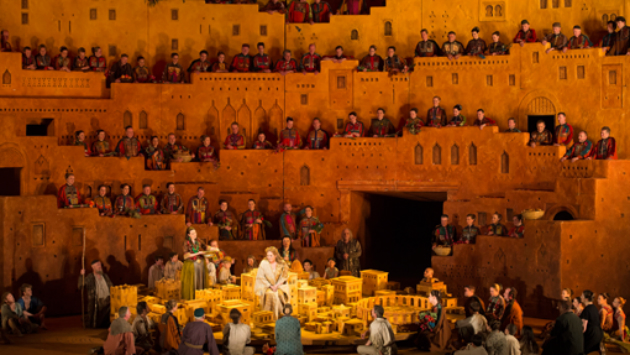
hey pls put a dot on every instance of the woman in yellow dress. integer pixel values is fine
(272, 285)
(194, 274)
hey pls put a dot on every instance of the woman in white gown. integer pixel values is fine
(272, 286)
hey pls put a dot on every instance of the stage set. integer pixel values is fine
(485, 140)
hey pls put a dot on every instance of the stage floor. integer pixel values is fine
(66, 337)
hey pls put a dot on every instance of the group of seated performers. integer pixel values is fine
(160, 158)
(615, 42)
(23, 316)
(447, 234)
(300, 11)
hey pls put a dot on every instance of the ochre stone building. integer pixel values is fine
(472, 171)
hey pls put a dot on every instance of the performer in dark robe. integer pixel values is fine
(142, 73)
(288, 222)
(289, 137)
(526, 34)
(261, 62)
(62, 61)
(226, 221)
(128, 146)
(606, 148)
(234, 140)
(497, 47)
(197, 210)
(287, 64)
(381, 126)
(541, 136)
(427, 47)
(311, 61)
(321, 11)
(97, 61)
(348, 252)
(436, 116)
(317, 138)
(154, 156)
(252, 225)
(579, 40)
(125, 204)
(5, 44)
(174, 73)
(81, 62)
(43, 60)
(68, 195)
(452, 48)
(198, 335)
(146, 202)
(299, 12)
(97, 285)
(122, 72)
(103, 203)
(476, 46)
(242, 62)
(371, 62)
(201, 65)
(28, 59)
(310, 228)
(172, 202)
(100, 147)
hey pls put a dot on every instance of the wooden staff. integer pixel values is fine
(83, 288)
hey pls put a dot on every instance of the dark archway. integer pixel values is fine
(563, 216)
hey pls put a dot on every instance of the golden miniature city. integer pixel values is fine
(334, 309)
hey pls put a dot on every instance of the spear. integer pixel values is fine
(83, 288)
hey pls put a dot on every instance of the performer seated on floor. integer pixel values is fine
(33, 307)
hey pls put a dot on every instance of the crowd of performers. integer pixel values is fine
(586, 322)
(615, 41)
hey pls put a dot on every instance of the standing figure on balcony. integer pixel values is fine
(606, 148)
(371, 62)
(173, 72)
(381, 126)
(97, 61)
(68, 195)
(557, 40)
(261, 62)
(518, 231)
(128, 146)
(226, 222)
(427, 47)
(310, 228)
(579, 40)
(470, 232)
(234, 140)
(564, 132)
(436, 116)
(242, 62)
(496, 228)
(201, 65)
(525, 35)
(452, 48)
(476, 46)
(444, 234)
(541, 136)
(289, 137)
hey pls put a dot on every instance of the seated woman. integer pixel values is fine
(170, 332)
(14, 318)
(271, 283)
(154, 156)
(428, 320)
(80, 141)
(288, 334)
(434, 331)
(236, 336)
(496, 228)
(496, 307)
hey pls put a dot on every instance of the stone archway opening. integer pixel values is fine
(563, 216)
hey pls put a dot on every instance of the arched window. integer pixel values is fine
(388, 28)
(489, 11)
(418, 154)
(543, 4)
(498, 11)
(144, 123)
(6, 78)
(127, 119)
(181, 124)
(555, 4)
(472, 154)
(437, 154)
(455, 155)
(354, 35)
(305, 176)
(505, 163)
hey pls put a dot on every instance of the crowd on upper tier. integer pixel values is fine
(616, 41)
